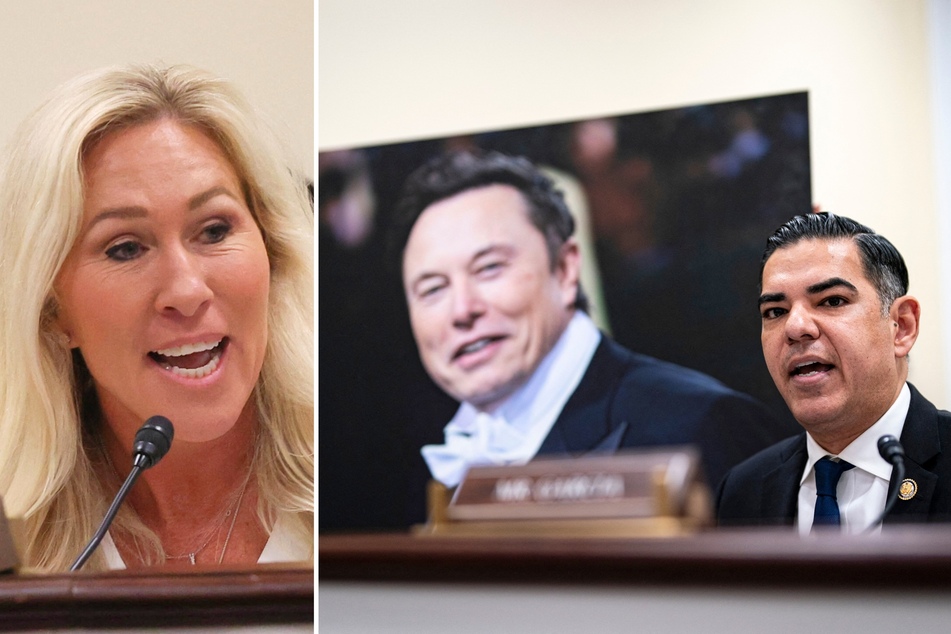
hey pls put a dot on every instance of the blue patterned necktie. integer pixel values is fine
(827, 477)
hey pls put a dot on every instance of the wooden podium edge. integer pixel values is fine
(263, 594)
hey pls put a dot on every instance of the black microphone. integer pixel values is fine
(890, 449)
(152, 442)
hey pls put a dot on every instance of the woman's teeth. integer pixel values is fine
(195, 373)
(188, 348)
(192, 361)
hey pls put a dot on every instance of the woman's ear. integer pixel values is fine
(63, 337)
(57, 325)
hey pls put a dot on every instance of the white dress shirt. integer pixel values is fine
(861, 491)
(513, 433)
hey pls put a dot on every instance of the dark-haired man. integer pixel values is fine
(490, 271)
(838, 326)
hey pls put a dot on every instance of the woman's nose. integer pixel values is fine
(184, 285)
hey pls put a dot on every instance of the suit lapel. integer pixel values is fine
(781, 485)
(585, 423)
(922, 443)
(612, 442)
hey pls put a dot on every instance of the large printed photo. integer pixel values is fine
(673, 208)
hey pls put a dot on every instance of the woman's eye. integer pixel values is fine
(124, 251)
(217, 232)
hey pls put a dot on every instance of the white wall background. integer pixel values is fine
(266, 48)
(391, 71)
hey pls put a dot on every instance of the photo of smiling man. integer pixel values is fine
(490, 271)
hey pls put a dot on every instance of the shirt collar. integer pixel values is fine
(556, 377)
(863, 451)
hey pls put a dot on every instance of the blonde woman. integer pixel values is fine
(155, 259)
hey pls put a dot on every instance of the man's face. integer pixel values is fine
(834, 357)
(485, 304)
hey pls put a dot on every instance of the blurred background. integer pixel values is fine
(266, 49)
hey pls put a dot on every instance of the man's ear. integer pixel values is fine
(568, 271)
(905, 316)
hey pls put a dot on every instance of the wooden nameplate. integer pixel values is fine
(633, 494)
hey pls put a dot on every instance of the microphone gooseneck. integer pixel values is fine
(890, 449)
(151, 443)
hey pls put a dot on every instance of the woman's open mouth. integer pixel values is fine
(193, 360)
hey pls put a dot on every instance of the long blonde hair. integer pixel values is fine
(46, 452)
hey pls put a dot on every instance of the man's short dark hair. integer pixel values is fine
(453, 173)
(884, 267)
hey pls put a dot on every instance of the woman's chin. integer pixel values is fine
(197, 431)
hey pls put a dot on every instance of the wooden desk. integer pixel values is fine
(729, 581)
(262, 595)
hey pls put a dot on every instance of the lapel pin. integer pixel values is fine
(907, 489)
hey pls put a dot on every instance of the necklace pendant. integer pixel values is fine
(191, 558)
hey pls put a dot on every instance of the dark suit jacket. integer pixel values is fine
(628, 400)
(764, 490)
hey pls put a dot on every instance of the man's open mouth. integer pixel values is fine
(193, 360)
(810, 369)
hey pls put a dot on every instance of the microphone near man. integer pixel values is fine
(893, 453)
